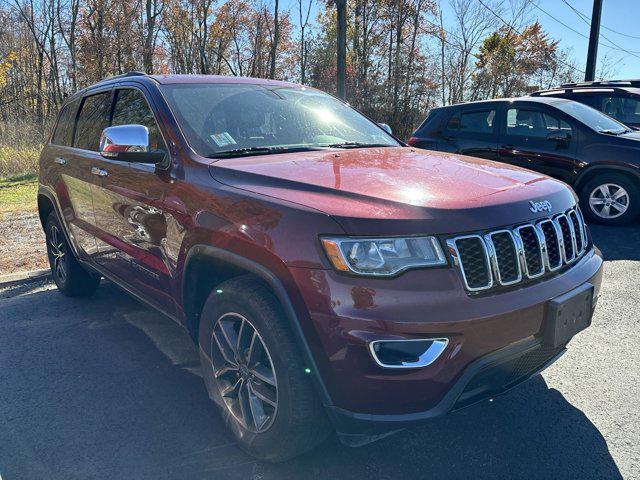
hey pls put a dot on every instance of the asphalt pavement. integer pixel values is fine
(107, 389)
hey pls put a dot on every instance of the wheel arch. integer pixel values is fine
(207, 266)
(45, 206)
(591, 172)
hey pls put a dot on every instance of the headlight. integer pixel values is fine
(382, 256)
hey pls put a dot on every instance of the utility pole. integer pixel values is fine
(341, 10)
(592, 54)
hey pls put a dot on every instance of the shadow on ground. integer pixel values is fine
(109, 389)
(617, 243)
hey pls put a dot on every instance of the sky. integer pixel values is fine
(619, 15)
(619, 21)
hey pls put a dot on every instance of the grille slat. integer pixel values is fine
(474, 261)
(505, 257)
(508, 255)
(577, 228)
(532, 251)
(567, 236)
(552, 242)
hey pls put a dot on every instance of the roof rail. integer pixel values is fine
(108, 79)
(133, 73)
(605, 83)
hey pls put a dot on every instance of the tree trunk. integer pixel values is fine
(274, 44)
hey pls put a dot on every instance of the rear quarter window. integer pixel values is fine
(63, 133)
(476, 121)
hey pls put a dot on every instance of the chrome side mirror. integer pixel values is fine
(386, 128)
(129, 143)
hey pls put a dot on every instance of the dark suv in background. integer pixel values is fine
(595, 154)
(619, 99)
(329, 274)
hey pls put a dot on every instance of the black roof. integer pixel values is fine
(546, 100)
(621, 85)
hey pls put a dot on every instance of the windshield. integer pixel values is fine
(591, 117)
(241, 118)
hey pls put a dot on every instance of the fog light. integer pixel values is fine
(413, 353)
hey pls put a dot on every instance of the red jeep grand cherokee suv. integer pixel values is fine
(329, 274)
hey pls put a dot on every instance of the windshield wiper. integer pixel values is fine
(613, 132)
(356, 145)
(239, 152)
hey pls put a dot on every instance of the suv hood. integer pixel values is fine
(399, 190)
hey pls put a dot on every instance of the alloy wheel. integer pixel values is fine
(57, 253)
(609, 201)
(244, 372)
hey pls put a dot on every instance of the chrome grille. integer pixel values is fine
(532, 246)
(551, 238)
(474, 262)
(504, 257)
(509, 256)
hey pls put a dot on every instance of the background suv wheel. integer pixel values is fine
(253, 371)
(71, 278)
(611, 199)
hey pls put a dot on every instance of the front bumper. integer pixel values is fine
(487, 377)
(487, 335)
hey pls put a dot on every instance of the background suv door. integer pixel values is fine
(132, 227)
(530, 138)
(472, 131)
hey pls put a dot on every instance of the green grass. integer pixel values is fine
(19, 193)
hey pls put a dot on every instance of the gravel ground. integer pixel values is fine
(108, 389)
(22, 245)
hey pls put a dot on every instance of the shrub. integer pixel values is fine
(20, 146)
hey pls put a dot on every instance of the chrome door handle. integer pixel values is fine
(99, 172)
(60, 160)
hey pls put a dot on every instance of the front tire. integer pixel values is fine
(71, 278)
(611, 199)
(254, 373)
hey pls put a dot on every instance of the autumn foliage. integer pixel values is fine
(403, 56)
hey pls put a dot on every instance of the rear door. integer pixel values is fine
(132, 226)
(529, 139)
(74, 148)
(472, 131)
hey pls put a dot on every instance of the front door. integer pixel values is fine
(132, 226)
(540, 140)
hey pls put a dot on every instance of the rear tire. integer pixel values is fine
(71, 278)
(243, 336)
(610, 199)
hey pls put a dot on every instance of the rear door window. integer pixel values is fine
(63, 134)
(476, 121)
(131, 108)
(93, 118)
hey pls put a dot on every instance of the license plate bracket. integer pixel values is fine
(567, 315)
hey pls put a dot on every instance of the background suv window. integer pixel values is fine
(63, 134)
(533, 123)
(478, 121)
(131, 108)
(624, 109)
(94, 117)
